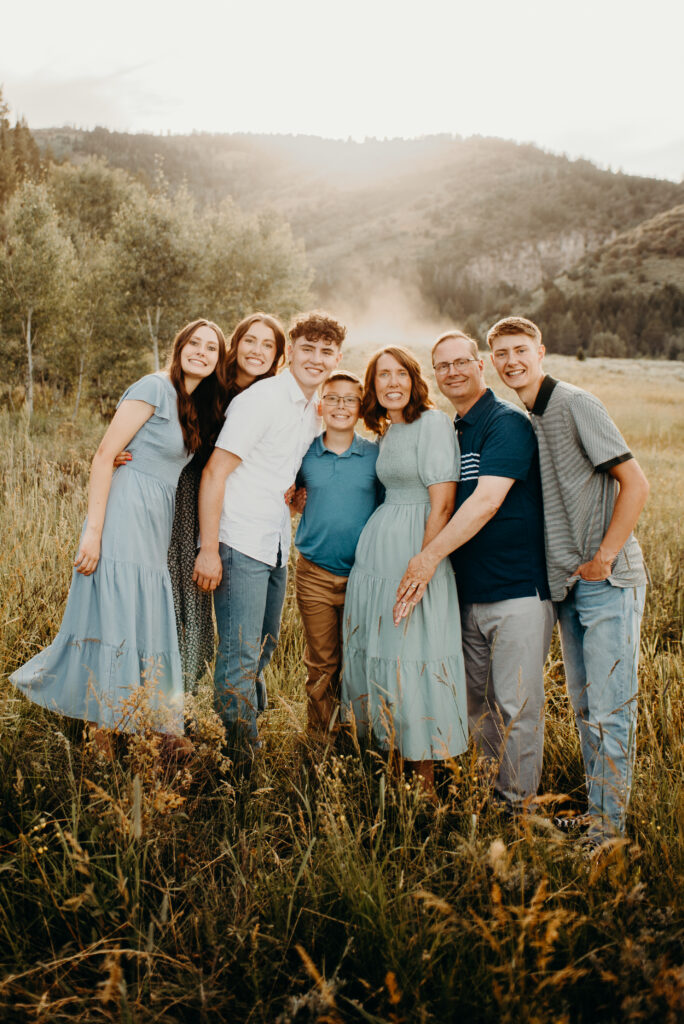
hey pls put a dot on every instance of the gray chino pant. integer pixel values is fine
(505, 644)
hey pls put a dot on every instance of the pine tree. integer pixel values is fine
(8, 171)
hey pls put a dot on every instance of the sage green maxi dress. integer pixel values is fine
(406, 682)
(118, 633)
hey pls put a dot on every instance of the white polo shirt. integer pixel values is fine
(270, 427)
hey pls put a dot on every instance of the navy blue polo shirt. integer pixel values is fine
(342, 492)
(506, 558)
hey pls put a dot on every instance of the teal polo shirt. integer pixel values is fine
(342, 492)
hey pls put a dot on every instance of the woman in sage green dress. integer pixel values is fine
(117, 641)
(406, 683)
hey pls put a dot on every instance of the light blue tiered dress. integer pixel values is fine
(119, 627)
(406, 682)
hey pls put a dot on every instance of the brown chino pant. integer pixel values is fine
(320, 599)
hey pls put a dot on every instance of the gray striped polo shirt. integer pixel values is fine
(578, 444)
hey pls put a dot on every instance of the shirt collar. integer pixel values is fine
(294, 390)
(477, 410)
(355, 448)
(543, 395)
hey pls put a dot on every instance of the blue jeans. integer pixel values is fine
(599, 627)
(248, 604)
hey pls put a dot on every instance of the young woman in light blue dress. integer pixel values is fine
(117, 641)
(406, 683)
(255, 352)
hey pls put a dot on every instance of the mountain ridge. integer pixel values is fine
(474, 226)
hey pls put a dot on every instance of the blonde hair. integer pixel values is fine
(514, 325)
(456, 335)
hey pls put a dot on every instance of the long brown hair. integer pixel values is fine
(201, 413)
(375, 415)
(231, 366)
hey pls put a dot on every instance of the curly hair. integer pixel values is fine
(318, 325)
(202, 412)
(375, 415)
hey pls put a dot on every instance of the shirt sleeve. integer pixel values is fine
(300, 479)
(438, 456)
(153, 390)
(247, 420)
(508, 448)
(603, 443)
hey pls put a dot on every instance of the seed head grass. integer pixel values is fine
(321, 885)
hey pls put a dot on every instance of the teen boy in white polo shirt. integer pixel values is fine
(594, 491)
(244, 521)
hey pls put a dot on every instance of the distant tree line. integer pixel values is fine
(614, 319)
(97, 272)
(601, 316)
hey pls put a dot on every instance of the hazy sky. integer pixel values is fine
(597, 78)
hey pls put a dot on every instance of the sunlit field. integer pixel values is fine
(321, 887)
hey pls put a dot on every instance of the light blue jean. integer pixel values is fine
(600, 627)
(248, 604)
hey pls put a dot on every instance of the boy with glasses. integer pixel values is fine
(339, 491)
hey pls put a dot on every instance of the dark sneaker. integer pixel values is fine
(572, 824)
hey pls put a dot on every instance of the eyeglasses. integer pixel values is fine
(441, 369)
(348, 401)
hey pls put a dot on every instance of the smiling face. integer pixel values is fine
(392, 386)
(311, 361)
(256, 352)
(199, 355)
(459, 374)
(517, 359)
(341, 404)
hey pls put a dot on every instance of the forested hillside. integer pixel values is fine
(625, 299)
(111, 239)
(476, 227)
(98, 270)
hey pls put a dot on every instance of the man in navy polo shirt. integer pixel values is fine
(496, 542)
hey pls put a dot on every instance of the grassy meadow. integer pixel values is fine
(320, 887)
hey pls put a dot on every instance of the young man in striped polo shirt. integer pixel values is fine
(594, 491)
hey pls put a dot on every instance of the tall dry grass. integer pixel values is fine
(321, 888)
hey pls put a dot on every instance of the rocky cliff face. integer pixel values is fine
(525, 266)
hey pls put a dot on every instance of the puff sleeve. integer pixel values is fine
(438, 453)
(154, 390)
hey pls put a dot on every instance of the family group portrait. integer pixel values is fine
(341, 671)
